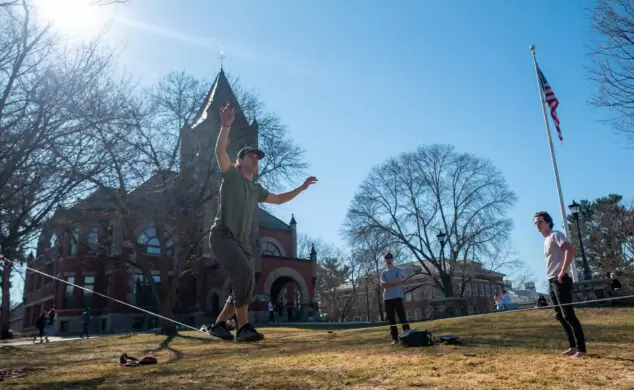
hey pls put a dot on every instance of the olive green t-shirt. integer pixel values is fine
(238, 200)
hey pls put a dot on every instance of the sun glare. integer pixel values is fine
(70, 17)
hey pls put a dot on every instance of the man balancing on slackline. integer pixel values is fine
(239, 196)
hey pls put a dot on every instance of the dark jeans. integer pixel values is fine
(394, 307)
(84, 330)
(562, 294)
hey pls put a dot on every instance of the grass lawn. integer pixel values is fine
(501, 351)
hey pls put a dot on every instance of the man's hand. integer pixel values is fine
(560, 278)
(227, 115)
(308, 182)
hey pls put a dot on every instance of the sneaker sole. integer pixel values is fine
(250, 340)
(255, 337)
(225, 338)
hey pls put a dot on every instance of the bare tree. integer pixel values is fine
(337, 285)
(352, 272)
(411, 198)
(612, 53)
(330, 278)
(51, 95)
(324, 249)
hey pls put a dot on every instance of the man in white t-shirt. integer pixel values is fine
(559, 254)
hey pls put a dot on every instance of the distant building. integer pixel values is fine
(526, 297)
(362, 304)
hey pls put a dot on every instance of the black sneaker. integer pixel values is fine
(221, 331)
(248, 333)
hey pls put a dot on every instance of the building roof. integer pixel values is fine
(269, 221)
(100, 199)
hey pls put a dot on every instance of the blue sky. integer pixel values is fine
(357, 82)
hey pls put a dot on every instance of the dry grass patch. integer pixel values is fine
(502, 351)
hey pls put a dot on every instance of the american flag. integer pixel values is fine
(551, 100)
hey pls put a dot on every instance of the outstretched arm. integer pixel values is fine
(287, 196)
(227, 116)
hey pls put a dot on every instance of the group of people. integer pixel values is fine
(240, 194)
(45, 324)
(502, 300)
(279, 307)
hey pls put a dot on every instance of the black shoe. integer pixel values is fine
(248, 333)
(220, 330)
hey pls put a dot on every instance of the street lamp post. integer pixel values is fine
(575, 209)
(442, 240)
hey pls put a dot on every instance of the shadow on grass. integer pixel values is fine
(10, 348)
(165, 345)
(201, 339)
(78, 384)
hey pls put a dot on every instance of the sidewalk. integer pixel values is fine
(51, 339)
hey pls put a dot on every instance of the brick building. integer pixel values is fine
(362, 302)
(280, 275)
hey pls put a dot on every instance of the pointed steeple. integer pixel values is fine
(313, 253)
(293, 221)
(219, 94)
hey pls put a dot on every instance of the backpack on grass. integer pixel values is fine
(417, 338)
(424, 338)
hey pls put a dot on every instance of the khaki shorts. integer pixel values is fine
(237, 265)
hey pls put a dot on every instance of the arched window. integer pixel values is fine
(271, 247)
(74, 241)
(93, 239)
(149, 240)
(53, 241)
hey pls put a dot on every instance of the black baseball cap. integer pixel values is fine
(244, 151)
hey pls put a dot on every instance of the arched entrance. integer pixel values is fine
(288, 292)
(283, 276)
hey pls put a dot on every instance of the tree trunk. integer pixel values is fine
(166, 310)
(446, 285)
(6, 302)
(9, 250)
(167, 302)
(379, 303)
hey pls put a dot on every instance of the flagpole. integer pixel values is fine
(554, 161)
